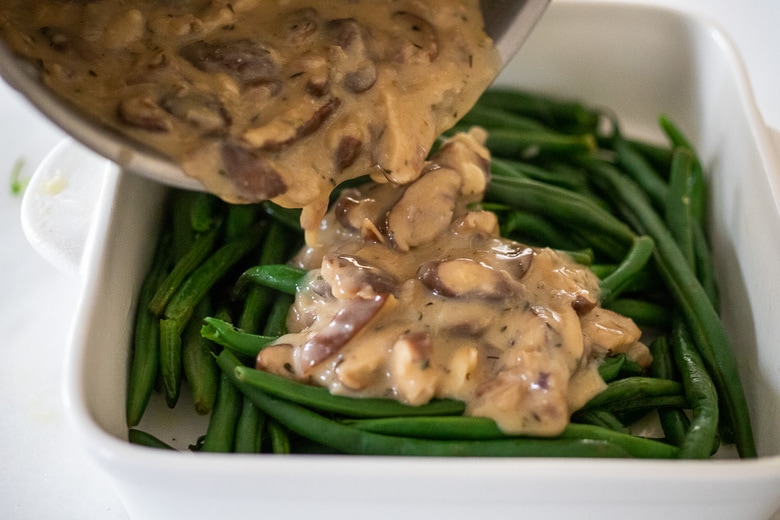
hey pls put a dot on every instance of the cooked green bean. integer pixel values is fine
(289, 217)
(563, 114)
(200, 368)
(640, 252)
(674, 422)
(249, 428)
(171, 368)
(678, 212)
(276, 324)
(196, 285)
(221, 432)
(280, 440)
(198, 251)
(644, 313)
(637, 393)
(707, 330)
(276, 250)
(560, 205)
(494, 117)
(229, 336)
(146, 339)
(142, 438)
(348, 439)
(700, 393)
(321, 399)
(527, 144)
(205, 211)
(282, 277)
(640, 169)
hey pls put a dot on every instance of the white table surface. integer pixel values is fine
(43, 471)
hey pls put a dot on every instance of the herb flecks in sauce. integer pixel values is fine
(266, 100)
(413, 295)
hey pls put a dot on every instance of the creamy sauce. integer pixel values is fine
(413, 295)
(276, 100)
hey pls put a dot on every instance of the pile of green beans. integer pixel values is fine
(219, 289)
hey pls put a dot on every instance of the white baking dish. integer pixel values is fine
(640, 61)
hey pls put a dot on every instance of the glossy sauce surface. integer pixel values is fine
(413, 295)
(261, 100)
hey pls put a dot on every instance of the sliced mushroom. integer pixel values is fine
(425, 210)
(347, 322)
(466, 278)
(251, 172)
(142, 111)
(347, 152)
(202, 111)
(351, 276)
(284, 130)
(244, 60)
(361, 79)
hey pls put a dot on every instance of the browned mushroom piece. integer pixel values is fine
(348, 321)
(467, 278)
(244, 60)
(142, 111)
(425, 210)
(202, 111)
(299, 122)
(251, 172)
(350, 276)
(300, 27)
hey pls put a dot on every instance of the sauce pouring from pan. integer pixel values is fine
(506, 22)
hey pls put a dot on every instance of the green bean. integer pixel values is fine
(564, 114)
(658, 156)
(142, 438)
(674, 422)
(204, 212)
(200, 367)
(696, 188)
(146, 339)
(481, 428)
(199, 282)
(528, 144)
(348, 439)
(700, 393)
(280, 440)
(276, 324)
(198, 251)
(678, 212)
(289, 217)
(229, 336)
(512, 168)
(282, 277)
(180, 204)
(640, 169)
(494, 117)
(534, 230)
(240, 218)
(560, 205)
(321, 399)
(640, 252)
(705, 270)
(644, 313)
(221, 432)
(249, 428)
(171, 367)
(609, 368)
(637, 393)
(707, 330)
(601, 418)
(258, 300)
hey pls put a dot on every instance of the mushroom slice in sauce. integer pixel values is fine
(347, 322)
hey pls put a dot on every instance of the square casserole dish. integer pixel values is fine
(639, 60)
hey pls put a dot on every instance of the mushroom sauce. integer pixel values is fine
(413, 295)
(271, 99)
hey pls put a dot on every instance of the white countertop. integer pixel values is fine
(43, 471)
